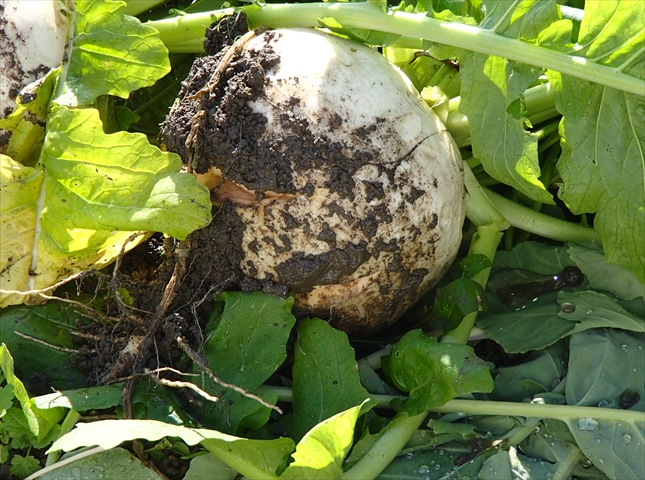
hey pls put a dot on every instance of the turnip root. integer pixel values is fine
(348, 187)
(32, 41)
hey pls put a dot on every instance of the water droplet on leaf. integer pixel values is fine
(587, 423)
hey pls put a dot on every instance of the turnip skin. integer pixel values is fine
(32, 41)
(360, 238)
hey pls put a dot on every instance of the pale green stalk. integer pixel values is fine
(368, 16)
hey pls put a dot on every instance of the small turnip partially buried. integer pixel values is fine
(346, 188)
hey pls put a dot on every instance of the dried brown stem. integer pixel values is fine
(201, 363)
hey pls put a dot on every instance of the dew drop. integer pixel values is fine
(567, 307)
(409, 456)
(627, 438)
(601, 461)
(585, 463)
(624, 347)
(605, 404)
(441, 452)
(587, 423)
(437, 466)
(640, 347)
(552, 444)
(424, 469)
(589, 311)
(537, 429)
(549, 476)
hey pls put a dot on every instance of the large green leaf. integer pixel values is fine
(41, 341)
(246, 347)
(111, 53)
(434, 372)
(491, 99)
(40, 422)
(89, 194)
(602, 364)
(532, 327)
(325, 377)
(252, 458)
(114, 463)
(320, 453)
(605, 276)
(492, 96)
(612, 33)
(603, 168)
(594, 310)
(539, 373)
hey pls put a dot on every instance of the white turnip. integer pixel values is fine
(32, 41)
(348, 187)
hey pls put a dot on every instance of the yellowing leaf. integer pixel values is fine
(89, 194)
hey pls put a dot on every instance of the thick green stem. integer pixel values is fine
(479, 208)
(529, 220)
(566, 466)
(70, 420)
(485, 242)
(388, 445)
(365, 15)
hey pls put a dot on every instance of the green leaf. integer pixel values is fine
(524, 19)
(370, 37)
(83, 399)
(474, 263)
(612, 33)
(87, 197)
(535, 257)
(6, 399)
(252, 458)
(22, 467)
(459, 298)
(111, 54)
(605, 276)
(532, 327)
(245, 349)
(512, 464)
(431, 464)
(14, 423)
(320, 453)
(52, 323)
(114, 182)
(495, 111)
(613, 447)
(325, 377)
(209, 466)
(603, 165)
(595, 310)
(539, 373)
(40, 421)
(113, 463)
(434, 373)
(603, 363)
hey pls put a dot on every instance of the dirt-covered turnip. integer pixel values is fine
(32, 41)
(337, 182)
